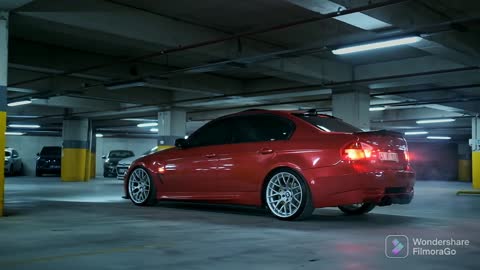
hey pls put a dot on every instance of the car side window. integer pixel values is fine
(257, 128)
(214, 133)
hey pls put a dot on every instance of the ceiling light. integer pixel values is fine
(99, 135)
(18, 103)
(152, 124)
(439, 137)
(374, 109)
(117, 86)
(433, 121)
(376, 45)
(23, 126)
(14, 133)
(154, 130)
(416, 132)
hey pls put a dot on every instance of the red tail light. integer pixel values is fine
(359, 151)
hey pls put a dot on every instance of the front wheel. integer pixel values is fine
(288, 196)
(357, 209)
(141, 188)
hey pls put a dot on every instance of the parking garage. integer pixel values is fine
(88, 88)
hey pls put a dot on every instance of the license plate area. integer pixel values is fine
(388, 156)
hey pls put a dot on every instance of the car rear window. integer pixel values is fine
(51, 151)
(328, 124)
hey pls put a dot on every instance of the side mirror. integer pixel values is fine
(181, 143)
(104, 157)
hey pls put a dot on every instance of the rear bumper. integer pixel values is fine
(341, 185)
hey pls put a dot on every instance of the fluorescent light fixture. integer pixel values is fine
(377, 108)
(416, 132)
(99, 135)
(377, 45)
(154, 130)
(18, 103)
(433, 121)
(117, 86)
(152, 124)
(438, 138)
(23, 126)
(14, 133)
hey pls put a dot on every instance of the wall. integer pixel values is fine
(29, 146)
(434, 161)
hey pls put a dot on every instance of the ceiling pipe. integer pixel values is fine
(220, 40)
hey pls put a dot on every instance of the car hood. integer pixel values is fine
(127, 161)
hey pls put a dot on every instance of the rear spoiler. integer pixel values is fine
(382, 132)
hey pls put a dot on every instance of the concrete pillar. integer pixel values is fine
(352, 106)
(464, 163)
(3, 99)
(93, 154)
(475, 143)
(76, 154)
(171, 126)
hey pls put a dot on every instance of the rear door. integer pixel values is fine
(243, 164)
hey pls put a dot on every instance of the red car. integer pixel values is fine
(288, 161)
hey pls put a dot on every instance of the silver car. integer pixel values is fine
(124, 164)
(13, 162)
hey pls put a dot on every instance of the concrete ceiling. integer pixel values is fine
(216, 57)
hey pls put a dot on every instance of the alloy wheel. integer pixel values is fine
(284, 194)
(139, 186)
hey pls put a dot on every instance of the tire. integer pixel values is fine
(141, 181)
(357, 209)
(105, 174)
(287, 195)
(38, 173)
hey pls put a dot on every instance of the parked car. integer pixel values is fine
(112, 159)
(13, 162)
(124, 164)
(49, 161)
(290, 162)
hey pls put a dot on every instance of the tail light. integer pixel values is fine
(359, 151)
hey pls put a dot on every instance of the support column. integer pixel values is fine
(93, 154)
(464, 163)
(76, 150)
(475, 143)
(171, 126)
(3, 99)
(352, 106)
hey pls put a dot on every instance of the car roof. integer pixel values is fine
(280, 112)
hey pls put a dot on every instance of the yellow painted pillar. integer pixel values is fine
(75, 153)
(3, 100)
(476, 169)
(475, 143)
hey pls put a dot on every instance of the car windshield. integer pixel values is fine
(120, 154)
(51, 151)
(7, 154)
(328, 124)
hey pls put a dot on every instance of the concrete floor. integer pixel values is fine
(53, 225)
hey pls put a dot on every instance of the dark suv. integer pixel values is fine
(49, 160)
(112, 159)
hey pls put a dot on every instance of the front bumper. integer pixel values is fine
(121, 171)
(335, 186)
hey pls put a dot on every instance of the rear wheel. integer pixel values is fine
(287, 195)
(141, 188)
(357, 209)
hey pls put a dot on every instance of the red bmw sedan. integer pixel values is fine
(290, 162)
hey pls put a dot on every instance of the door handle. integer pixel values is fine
(266, 151)
(210, 155)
